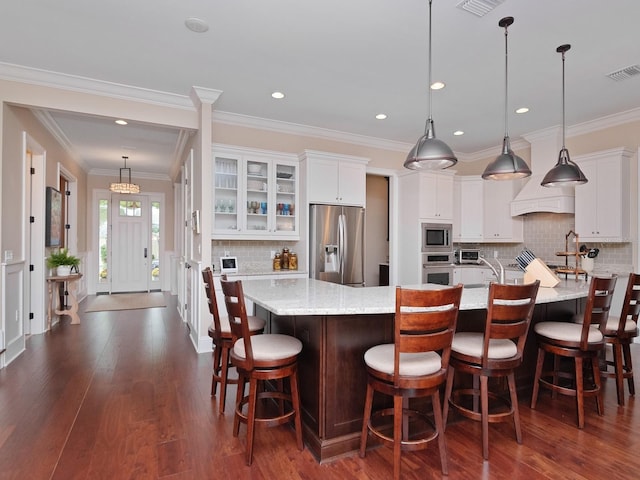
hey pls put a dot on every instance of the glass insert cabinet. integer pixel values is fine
(255, 194)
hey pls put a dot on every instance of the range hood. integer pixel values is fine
(533, 197)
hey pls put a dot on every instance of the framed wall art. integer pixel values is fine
(53, 222)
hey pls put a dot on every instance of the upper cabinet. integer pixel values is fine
(436, 197)
(498, 225)
(483, 211)
(602, 204)
(468, 209)
(334, 179)
(255, 194)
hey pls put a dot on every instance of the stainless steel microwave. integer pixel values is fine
(436, 237)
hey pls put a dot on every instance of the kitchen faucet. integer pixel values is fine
(500, 276)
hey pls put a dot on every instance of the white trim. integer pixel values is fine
(35, 281)
(235, 119)
(72, 206)
(75, 83)
(92, 239)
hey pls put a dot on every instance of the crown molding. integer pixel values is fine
(234, 119)
(204, 96)
(47, 121)
(75, 83)
(490, 152)
(607, 121)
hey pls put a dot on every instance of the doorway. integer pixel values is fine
(129, 240)
(377, 231)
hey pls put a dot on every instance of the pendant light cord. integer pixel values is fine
(506, 83)
(429, 86)
(563, 114)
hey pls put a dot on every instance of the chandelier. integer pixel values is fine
(125, 187)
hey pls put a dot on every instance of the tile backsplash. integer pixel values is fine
(545, 235)
(254, 256)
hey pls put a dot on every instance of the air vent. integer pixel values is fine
(479, 7)
(624, 73)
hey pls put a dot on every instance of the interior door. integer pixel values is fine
(130, 253)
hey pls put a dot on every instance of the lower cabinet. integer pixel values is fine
(482, 275)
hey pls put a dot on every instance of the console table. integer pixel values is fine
(72, 311)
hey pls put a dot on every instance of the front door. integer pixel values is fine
(130, 252)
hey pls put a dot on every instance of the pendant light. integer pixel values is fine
(566, 173)
(125, 187)
(429, 152)
(507, 165)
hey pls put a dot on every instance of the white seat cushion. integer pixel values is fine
(255, 324)
(566, 331)
(270, 347)
(380, 358)
(471, 343)
(612, 325)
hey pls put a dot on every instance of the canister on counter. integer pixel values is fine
(293, 261)
(285, 258)
(277, 261)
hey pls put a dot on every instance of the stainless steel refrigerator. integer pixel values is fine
(336, 244)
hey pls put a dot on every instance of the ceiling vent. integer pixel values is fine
(624, 73)
(479, 7)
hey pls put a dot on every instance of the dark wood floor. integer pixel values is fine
(124, 396)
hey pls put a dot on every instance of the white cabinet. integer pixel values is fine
(484, 213)
(414, 190)
(483, 275)
(468, 209)
(470, 275)
(498, 224)
(255, 194)
(603, 203)
(436, 197)
(334, 179)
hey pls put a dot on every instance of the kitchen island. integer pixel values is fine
(337, 324)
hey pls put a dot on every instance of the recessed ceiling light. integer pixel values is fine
(121, 122)
(522, 110)
(437, 85)
(277, 95)
(196, 25)
(457, 133)
(381, 116)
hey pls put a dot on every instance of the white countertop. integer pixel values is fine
(315, 297)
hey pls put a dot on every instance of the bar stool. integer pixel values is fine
(619, 333)
(496, 352)
(259, 359)
(580, 342)
(222, 338)
(415, 365)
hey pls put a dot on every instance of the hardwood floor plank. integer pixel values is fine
(124, 395)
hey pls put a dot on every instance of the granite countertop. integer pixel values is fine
(314, 297)
(257, 274)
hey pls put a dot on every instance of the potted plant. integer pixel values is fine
(63, 262)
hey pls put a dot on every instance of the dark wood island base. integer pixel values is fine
(332, 374)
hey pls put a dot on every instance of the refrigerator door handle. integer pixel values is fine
(342, 246)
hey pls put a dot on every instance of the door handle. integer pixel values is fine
(145, 252)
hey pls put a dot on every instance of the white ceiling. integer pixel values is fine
(338, 62)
